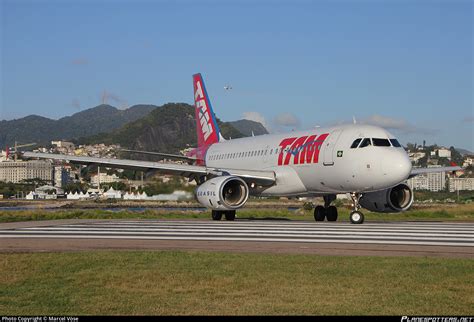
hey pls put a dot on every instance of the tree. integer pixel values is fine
(72, 187)
(36, 182)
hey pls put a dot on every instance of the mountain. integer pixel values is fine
(168, 128)
(246, 127)
(42, 130)
(464, 152)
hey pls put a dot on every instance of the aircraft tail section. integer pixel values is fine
(206, 124)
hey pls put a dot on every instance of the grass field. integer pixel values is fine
(201, 283)
(448, 212)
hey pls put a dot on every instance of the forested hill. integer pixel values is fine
(169, 128)
(42, 130)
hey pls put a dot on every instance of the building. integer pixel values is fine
(456, 184)
(468, 160)
(444, 153)
(63, 144)
(18, 171)
(103, 178)
(419, 182)
(436, 181)
(3, 155)
(428, 181)
(62, 175)
(415, 156)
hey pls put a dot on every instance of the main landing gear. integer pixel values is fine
(330, 212)
(228, 214)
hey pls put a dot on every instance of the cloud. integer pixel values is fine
(80, 61)
(387, 122)
(76, 104)
(468, 119)
(287, 119)
(255, 116)
(400, 125)
(106, 97)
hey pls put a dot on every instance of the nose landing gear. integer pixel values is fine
(356, 216)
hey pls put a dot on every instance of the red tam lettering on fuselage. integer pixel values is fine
(304, 149)
(295, 150)
(283, 144)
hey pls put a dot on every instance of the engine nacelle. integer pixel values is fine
(396, 199)
(223, 193)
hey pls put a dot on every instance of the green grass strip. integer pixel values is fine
(204, 283)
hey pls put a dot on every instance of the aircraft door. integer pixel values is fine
(329, 147)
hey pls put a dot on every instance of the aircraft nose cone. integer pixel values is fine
(403, 166)
(396, 166)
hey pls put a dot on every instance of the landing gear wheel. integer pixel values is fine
(331, 213)
(357, 217)
(319, 213)
(216, 215)
(230, 215)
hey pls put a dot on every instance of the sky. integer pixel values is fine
(404, 65)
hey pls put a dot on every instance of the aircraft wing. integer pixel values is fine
(417, 171)
(159, 154)
(191, 171)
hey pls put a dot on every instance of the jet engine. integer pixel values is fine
(223, 193)
(396, 199)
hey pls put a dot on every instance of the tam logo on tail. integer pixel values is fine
(202, 111)
(207, 129)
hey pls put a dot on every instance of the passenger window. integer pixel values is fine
(365, 142)
(355, 144)
(395, 143)
(381, 142)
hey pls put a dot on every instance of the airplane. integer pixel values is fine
(365, 161)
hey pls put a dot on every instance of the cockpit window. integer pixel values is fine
(395, 143)
(381, 142)
(365, 142)
(355, 144)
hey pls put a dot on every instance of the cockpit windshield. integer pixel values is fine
(355, 144)
(381, 142)
(395, 143)
(363, 142)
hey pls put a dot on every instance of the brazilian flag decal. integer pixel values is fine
(339, 154)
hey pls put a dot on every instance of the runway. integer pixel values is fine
(394, 238)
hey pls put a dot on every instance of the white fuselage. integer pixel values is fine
(318, 162)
